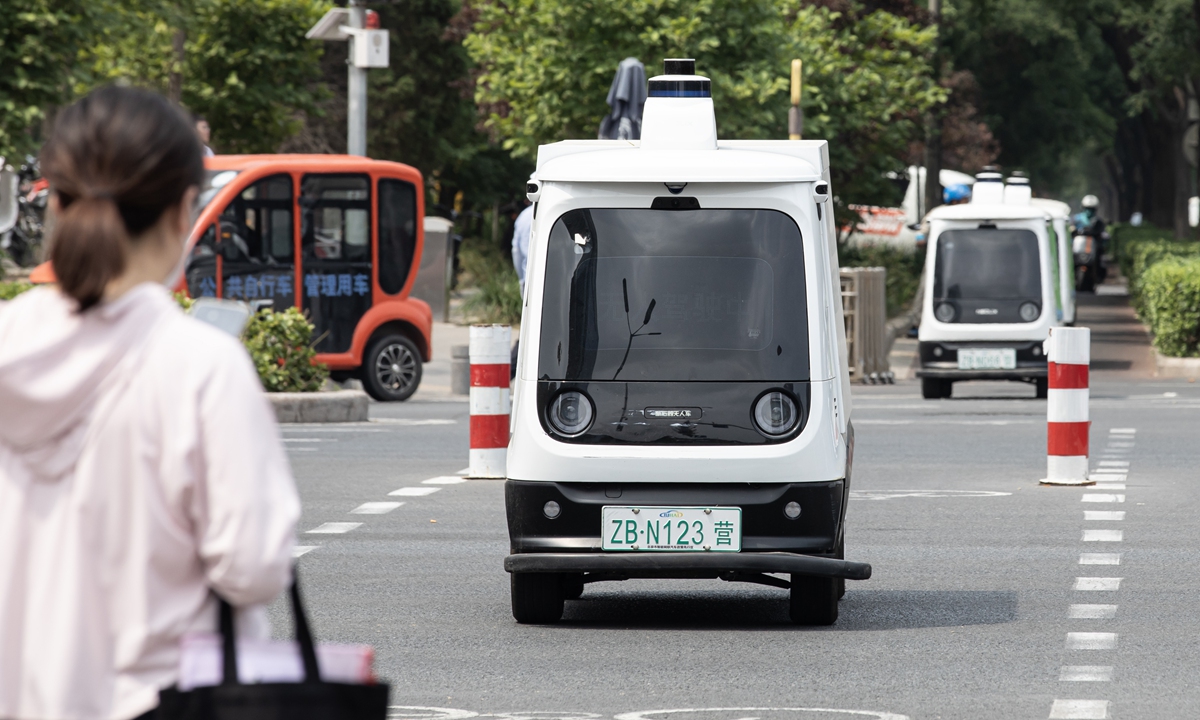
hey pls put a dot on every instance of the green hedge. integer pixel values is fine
(1164, 285)
(1170, 305)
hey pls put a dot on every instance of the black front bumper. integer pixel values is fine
(940, 360)
(686, 564)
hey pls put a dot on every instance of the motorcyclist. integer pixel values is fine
(1089, 224)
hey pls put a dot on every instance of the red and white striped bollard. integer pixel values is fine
(1069, 353)
(490, 352)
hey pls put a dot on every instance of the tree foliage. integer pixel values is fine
(38, 42)
(546, 66)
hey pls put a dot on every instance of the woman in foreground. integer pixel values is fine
(141, 469)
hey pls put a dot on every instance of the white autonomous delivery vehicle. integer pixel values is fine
(993, 278)
(681, 407)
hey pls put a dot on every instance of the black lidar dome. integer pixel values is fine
(679, 66)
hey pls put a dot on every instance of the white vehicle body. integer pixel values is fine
(988, 262)
(1063, 246)
(679, 429)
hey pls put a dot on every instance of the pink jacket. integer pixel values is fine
(140, 467)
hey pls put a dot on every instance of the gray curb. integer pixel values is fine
(1173, 367)
(320, 407)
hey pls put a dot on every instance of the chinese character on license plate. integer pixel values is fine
(673, 529)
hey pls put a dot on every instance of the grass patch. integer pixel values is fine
(486, 267)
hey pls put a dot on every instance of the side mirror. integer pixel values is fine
(533, 191)
(821, 192)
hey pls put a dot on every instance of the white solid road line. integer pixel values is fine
(375, 508)
(334, 528)
(1097, 584)
(1080, 710)
(299, 550)
(446, 480)
(1092, 612)
(1102, 498)
(414, 491)
(1100, 558)
(1091, 515)
(1103, 535)
(1085, 673)
(1091, 641)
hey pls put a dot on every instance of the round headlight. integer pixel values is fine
(775, 413)
(944, 312)
(571, 413)
(1030, 311)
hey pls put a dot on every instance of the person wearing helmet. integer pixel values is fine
(1091, 236)
(956, 194)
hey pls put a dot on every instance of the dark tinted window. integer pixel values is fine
(397, 233)
(335, 237)
(987, 264)
(660, 295)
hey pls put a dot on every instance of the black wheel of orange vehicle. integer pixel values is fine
(391, 369)
(537, 598)
(814, 600)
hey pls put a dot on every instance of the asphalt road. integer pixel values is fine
(966, 616)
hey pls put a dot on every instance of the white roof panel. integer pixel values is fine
(986, 211)
(732, 161)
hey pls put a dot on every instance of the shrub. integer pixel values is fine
(280, 343)
(486, 268)
(9, 290)
(1141, 248)
(1171, 305)
(904, 269)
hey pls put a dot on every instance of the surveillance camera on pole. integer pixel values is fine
(368, 49)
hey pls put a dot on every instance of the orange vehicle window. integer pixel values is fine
(258, 245)
(201, 270)
(335, 242)
(397, 233)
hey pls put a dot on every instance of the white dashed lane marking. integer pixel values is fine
(1097, 584)
(334, 528)
(1094, 515)
(1100, 558)
(1080, 710)
(375, 508)
(447, 480)
(1091, 612)
(1103, 498)
(1091, 641)
(1085, 673)
(1103, 535)
(1122, 431)
(1114, 463)
(414, 491)
(299, 550)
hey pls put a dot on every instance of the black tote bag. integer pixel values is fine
(311, 699)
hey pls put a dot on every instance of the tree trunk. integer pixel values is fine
(175, 78)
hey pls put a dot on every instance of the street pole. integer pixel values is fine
(933, 130)
(356, 101)
(795, 114)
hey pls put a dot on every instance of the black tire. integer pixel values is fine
(814, 600)
(841, 555)
(537, 598)
(391, 369)
(572, 587)
(1043, 388)
(935, 388)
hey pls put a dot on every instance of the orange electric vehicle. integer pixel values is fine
(337, 236)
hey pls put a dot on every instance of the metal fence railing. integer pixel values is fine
(864, 305)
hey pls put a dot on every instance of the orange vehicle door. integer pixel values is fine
(258, 244)
(335, 241)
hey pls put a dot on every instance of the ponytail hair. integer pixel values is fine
(116, 160)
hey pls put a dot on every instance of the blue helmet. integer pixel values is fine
(956, 193)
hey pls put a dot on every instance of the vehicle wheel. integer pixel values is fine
(1043, 388)
(814, 600)
(391, 369)
(572, 586)
(537, 598)
(841, 582)
(934, 388)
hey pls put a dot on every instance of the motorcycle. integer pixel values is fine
(1087, 247)
(23, 197)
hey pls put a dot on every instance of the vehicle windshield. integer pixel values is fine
(668, 295)
(214, 180)
(987, 264)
